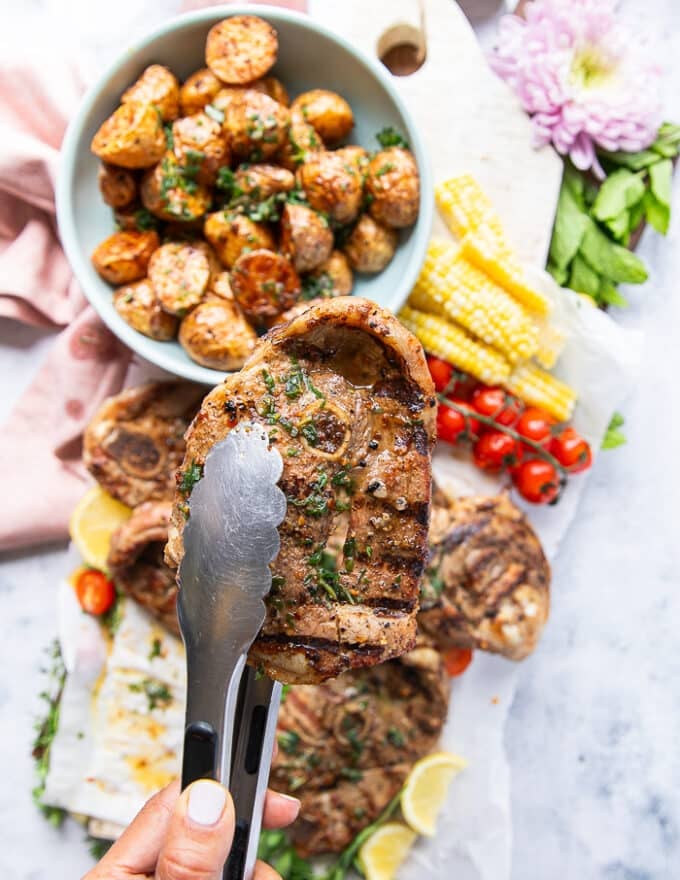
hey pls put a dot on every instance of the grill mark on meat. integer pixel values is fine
(309, 643)
(402, 391)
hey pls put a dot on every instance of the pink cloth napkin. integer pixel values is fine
(40, 444)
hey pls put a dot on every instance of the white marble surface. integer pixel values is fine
(594, 730)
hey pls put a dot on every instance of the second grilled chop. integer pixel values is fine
(346, 396)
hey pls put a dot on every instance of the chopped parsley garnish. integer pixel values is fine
(156, 692)
(309, 432)
(155, 649)
(112, 618)
(145, 221)
(226, 184)
(326, 577)
(190, 477)
(46, 729)
(390, 137)
(385, 169)
(214, 113)
(289, 741)
(317, 286)
(316, 503)
(269, 383)
(351, 773)
(169, 138)
(343, 480)
(396, 737)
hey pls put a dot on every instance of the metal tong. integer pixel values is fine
(230, 539)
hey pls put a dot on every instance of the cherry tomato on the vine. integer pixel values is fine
(457, 660)
(497, 404)
(450, 423)
(536, 425)
(495, 450)
(472, 426)
(537, 481)
(95, 592)
(440, 371)
(572, 451)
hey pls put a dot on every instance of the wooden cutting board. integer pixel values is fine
(472, 121)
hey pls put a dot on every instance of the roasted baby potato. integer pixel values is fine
(124, 256)
(132, 137)
(117, 185)
(332, 278)
(198, 143)
(232, 234)
(301, 141)
(157, 86)
(255, 125)
(355, 156)
(198, 90)
(241, 48)
(393, 184)
(140, 307)
(306, 237)
(331, 186)
(179, 274)
(275, 89)
(220, 286)
(169, 193)
(217, 335)
(329, 114)
(264, 284)
(259, 182)
(370, 246)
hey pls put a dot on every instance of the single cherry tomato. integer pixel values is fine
(495, 450)
(536, 425)
(537, 481)
(497, 404)
(572, 451)
(450, 423)
(457, 660)
(95, 592)
(440, 371)
(472, 426)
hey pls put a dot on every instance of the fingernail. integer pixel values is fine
(291, 800)
(206, 802)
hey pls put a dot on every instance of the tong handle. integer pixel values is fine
(200, 759)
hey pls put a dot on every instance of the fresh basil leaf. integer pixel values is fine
(583, 278)
(569, 229)
(618, 192)
(609, 295)
(658, 215)
(610, 259)
(660, 177)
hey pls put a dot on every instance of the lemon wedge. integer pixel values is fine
(385, 850)
(425, 790)
(96, 516)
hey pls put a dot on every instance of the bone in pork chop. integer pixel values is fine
(487, 582)
(348, 401)
(135, 442)
(346, 746)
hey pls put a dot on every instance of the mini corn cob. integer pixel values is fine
(538, 388)
(455, 346)
(551, 342)
(453, 288)
(504, 269)
(465, 208)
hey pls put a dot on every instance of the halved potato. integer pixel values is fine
(131, 137)
(140, 307)
(332, 278)
(276, 90)
(232, 234)
(306, 237)
(331, 186)
(198, 142)
(256, 125)
(198, 90)
(370, 246)
(393, 183)
(217, 335)
(170, 193)
(264, 284)
(301, 141)
(258, 182)
(124, 256)
(158, 86)
(241, 48)
(117, 185)
(179, 274)
(328, 112)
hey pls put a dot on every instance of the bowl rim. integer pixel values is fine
(65, 212)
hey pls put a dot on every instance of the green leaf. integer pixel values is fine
(658, 215)
(569, 229)
(560, 275)
(619, 226)
(574, 181)
(660, 177)
(584, 279)
(613, 436)
(618, 192)
(610, 259)
(610, 295)
(633, 161)
(635, 215)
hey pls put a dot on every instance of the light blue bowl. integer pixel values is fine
(310, 56)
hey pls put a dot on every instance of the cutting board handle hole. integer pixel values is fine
(402, 49)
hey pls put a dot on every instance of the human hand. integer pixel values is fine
(186, 836)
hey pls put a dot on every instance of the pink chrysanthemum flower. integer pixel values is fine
(581, 76)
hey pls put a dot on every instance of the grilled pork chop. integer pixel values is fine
(487, 582)
(345, 393)
(346, 746)
(135, 442)
(136, 562)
